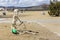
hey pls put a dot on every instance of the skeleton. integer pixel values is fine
(15, 19)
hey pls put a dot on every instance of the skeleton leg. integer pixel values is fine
(21, 22)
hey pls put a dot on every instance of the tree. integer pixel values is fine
(54, 9)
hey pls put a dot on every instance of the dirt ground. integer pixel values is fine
(44, 33)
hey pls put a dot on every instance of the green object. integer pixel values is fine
(14, 31)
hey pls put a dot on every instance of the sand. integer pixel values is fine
(44, 32)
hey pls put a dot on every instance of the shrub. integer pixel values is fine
(54, 9)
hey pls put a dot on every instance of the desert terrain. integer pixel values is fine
(47, 26)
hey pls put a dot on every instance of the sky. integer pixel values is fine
(23, 3)
(57, 0)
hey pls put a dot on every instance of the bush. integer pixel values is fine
(54, 9)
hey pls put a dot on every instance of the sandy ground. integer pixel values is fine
(46, 28)
(44, 34)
